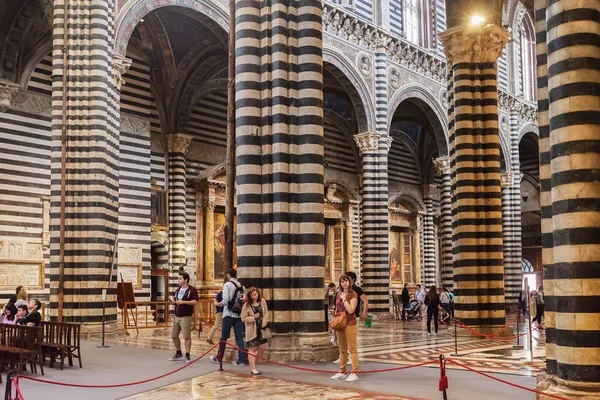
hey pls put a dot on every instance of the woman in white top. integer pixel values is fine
(445, 299)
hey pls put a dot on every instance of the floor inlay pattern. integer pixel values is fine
(219, 385)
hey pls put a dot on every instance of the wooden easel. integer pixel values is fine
(125, 295)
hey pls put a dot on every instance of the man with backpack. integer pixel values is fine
(233, 300)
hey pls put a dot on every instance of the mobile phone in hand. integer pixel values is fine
(171, 299)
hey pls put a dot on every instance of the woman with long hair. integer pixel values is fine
(10, 312)
(347, 301)
(255, 315)
(432, 301)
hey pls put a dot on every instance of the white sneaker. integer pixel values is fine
(337, 361)
(428, 334)
(339, 375)
(352, 378)
(436, 334)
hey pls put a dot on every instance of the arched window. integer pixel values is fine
(412, 21)
(527, 42)
(527, 266)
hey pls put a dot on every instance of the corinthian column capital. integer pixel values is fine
(368, 143)
(178, 143)
(441, 165)
(470, 44)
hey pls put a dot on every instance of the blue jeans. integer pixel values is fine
(238, 326)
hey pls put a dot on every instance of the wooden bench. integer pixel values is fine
(21, 345)
(61, 340)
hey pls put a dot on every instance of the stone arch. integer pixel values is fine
(135, 10)
(348, 191)
(211, 173)
(505, 152)
(359, 92)
(528, 127)
(410, 198)
(430, 107)
(42, 50)
(188, 103)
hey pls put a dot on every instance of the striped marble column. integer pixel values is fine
(442, 168)
(375, 266)
(279, 166)
(545, 183)
(429, 266)
(476, 197)
(511, 218)
(374, 148)
(84, 188)
(572, 284)
(177, 147)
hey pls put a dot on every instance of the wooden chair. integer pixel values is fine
(55, 343)
(22, 346)
(73, 341)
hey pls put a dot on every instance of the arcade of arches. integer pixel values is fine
(363, 157)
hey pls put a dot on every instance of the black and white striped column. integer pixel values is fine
(475, 152)
(545, 183)
(90, 200)
(177, 147)
(442, 168)
(511, 219)
(374, 148)
(572, 283)
(429, 265)
(279, 163)
(375, 221)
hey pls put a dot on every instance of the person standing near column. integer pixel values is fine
(432, 301)
(347, 301)
(405, 301)
(186, 297)
(233, 297)
(420, 297)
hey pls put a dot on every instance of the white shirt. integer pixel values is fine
(420, 295)
(229, 289)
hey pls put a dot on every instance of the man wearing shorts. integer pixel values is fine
(186, 297)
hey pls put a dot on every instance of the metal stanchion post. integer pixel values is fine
(455, 354)
(103, 346)
(518, 346)
(8, 392)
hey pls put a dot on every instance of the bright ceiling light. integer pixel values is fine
(477, 20)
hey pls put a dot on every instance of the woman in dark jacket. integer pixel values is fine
(432, 301)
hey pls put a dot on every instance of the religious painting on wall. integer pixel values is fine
(395, 257)
(219, 250)
(159, 209)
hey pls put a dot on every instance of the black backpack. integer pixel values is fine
(237, 301)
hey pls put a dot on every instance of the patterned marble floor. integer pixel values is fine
(238, 386)
(395, 342)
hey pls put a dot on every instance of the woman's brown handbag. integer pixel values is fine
(338, 322)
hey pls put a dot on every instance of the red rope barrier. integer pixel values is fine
(474, 332)
(119, 384)
(491, 335)
(372, 371)
(505, 382)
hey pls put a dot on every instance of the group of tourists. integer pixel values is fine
(437, 304)
(238, 309)
(20, 311)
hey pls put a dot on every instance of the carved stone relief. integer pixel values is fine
(365, 64)
(8, 90)
(130, 266)
(132, 124)
(32, 103)
(21, 263)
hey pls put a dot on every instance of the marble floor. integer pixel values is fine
(397, 342)
(241, 386)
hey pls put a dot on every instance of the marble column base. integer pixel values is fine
(302, 347)
(568, 389)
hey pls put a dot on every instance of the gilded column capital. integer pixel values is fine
(470, 44)
(441, 165)
(178, 143)
(210, 204)
(368, 143)
(122, 64)
(8, 91)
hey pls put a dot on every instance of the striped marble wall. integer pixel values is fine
(396, 17)
(25, 142)
(41, 78)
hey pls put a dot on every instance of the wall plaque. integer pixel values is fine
(130, 266)
(13, 273)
